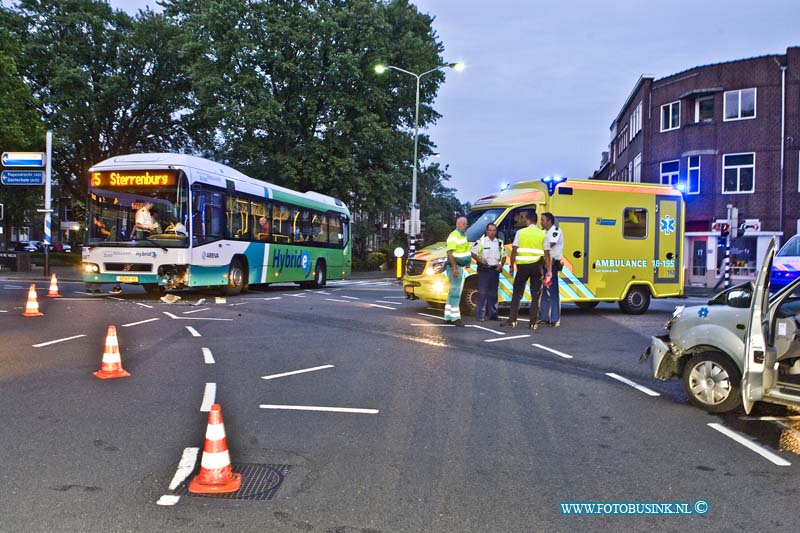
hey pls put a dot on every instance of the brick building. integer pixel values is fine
(727, 133)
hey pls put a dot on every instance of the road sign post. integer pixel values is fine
(47, 200)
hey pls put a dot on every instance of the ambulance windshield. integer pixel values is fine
(477, 221)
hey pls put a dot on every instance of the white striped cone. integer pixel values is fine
(32, 305)
(53, 292)
(111, 366)
(216, 475)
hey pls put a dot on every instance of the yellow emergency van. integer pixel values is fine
(623, 242)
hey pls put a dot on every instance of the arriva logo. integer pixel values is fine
(210, 255)
(288, 259)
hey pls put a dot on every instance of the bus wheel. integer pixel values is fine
(320, 276)
(235, 278)
(153, 289)
(469, 296)
(586, 306)
(636, 301)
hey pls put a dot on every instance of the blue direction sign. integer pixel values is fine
(22, 177)
(23, 159)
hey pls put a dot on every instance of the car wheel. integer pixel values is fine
(469, 296)
(711, 382)
(235, 278)
(636, 301)
(586, 306)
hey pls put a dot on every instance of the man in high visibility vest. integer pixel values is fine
(490, 255)
(458, 256)
(533, 263)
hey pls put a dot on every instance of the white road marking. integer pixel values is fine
(193, 318)
(193, 331)
(12, 287)
(636, 386)
(507, 338)
(351, 297)
(273, 298)
(117, 299)
(383, 307)
(209, 394)
(169, 499)
(747, 443)
(140, 322)
(57, 341)
(144, 305)
(323, 292)
(185, 467)
(485, 329)
(431, 316)
(390, 303)
(316, 408)
(435, 325)
(239, 303)
(394, 297)
(293, 372)
(560, 354)
(335, 300)
(296, 295)
(3, 311)
(196, 311)
(208, 357)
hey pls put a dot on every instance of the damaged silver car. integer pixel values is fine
(742, 346)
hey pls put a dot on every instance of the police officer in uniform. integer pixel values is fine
(458, 256)
(490, 255)
(533, 263)
(550, 312)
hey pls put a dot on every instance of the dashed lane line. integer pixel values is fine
(390, 303)
(57, 341)
(294, 372)
(431, 316)
(193, 331)
(184, 470)
(383, 307)
(747, 443)
(323, 409)
(335, 300)
(507, 338)
(296, 295)
(115, 298)
(208, 357)
(144, 305)
(350, 297)
(435, 325)
(175, 317)
(485, 329)
(560, 354)
(209, 395)
(140, 322)
(395, 297)
(626, 381)
(196, 311)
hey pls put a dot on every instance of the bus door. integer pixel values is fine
(667, 263)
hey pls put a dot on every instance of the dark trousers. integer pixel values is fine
(488, 283)
(551, 299)
(534, 273)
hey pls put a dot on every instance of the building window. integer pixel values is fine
(669, 172)
(671, 116)
(636, 121)
(637, 168)
(693, 175)
(740, 105)
(704, 109)
(622, 143)
(738, 173)
(634, 223)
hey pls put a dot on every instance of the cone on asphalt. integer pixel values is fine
(53, 292)
(32, 305)
(215, 475)
(111, 367)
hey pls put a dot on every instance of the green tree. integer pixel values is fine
(105, 82)
(20, 125)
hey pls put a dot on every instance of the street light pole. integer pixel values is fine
(414, 225)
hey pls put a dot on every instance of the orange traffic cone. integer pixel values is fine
(215, 474)
(53, 292)
(32, 305)
(111, 367)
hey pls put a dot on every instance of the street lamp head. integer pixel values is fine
(380, 69)
(458, 67)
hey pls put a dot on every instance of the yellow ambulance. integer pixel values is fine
(623, 242)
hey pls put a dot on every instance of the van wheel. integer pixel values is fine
(711, 382)
(586, 306)
(636, 301)
(235, 278)
(469, 297)
(320, 276)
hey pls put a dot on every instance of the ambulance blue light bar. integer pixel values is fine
(552, 182)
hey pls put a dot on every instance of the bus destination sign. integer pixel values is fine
(133, 178)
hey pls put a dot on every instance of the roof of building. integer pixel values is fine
(719, 63)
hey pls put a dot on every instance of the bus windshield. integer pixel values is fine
(477, 221)
(127, 212)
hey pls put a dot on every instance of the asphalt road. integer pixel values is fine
(429, 427)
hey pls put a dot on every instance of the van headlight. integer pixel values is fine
(436, 267)
(675, 316)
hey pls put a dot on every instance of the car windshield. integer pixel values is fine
(477, 221)
(791, 248)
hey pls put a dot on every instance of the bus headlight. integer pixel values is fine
(436, 267)
(90, 268)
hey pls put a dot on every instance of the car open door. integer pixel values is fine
(756, 334)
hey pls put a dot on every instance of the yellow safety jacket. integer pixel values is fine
(531, 245)
(458, 243)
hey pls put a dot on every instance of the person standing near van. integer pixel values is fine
(533, 263)
(490, 255)
(550, 311)
(458, 256)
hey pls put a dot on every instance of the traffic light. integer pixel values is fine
(723, 229)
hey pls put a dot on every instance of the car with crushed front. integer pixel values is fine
(742, 346)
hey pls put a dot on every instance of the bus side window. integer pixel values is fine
(208, 218)
(260, 215)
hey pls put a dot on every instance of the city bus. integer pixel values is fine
(208, 225)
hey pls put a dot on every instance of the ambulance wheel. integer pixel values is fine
(469, 296)
(586, 306)
(236, 278)
(711, 382)
(636, 301)
(154, 289)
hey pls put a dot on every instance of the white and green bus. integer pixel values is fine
(207, 225)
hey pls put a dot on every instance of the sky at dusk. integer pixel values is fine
(544, 80)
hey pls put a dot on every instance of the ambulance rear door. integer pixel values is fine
(666, 258)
